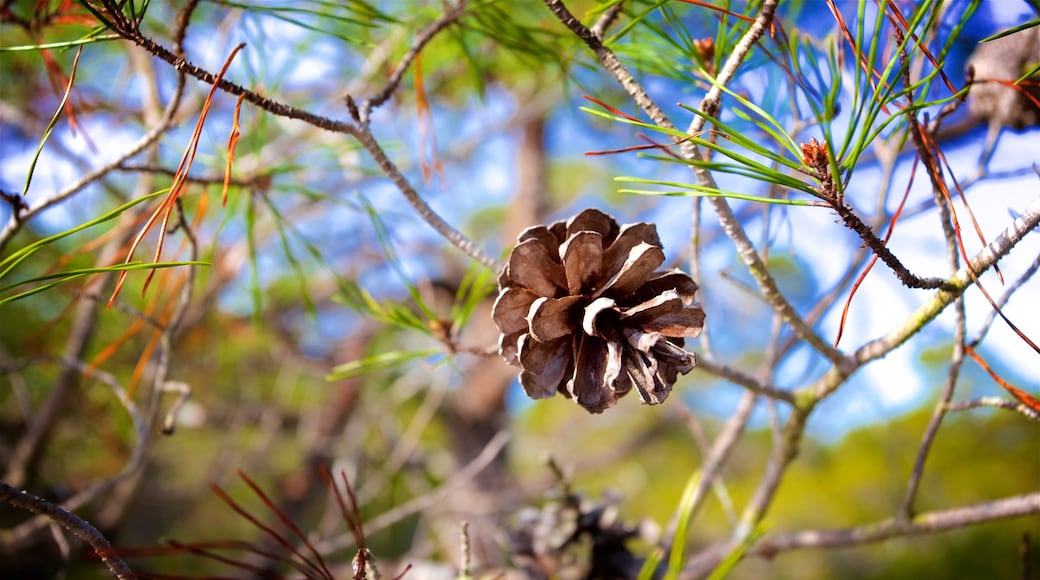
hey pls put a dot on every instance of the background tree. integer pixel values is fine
(833, 181)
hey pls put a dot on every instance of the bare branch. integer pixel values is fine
(360, 132)
(71, 522)
(952, 372)
(421, 40)
(926, 523)
(730, 223)
(428, 215)
(747, 381)
(960, 326)
(14, 224)
(995, 402)
(1008, 292)
(720, 451)
(989, 255)
(269, 105)
(908, 278)
(608, 18)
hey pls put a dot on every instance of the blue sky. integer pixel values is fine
(810, 236)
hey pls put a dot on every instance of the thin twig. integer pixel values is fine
(908, 278)
(982, 261)
(181, 30)
(428, 215)
(994, 402)
(960, 325)
(783, 454)
(71, 522)
(926, 523)
(421, 40)
(359, 131)
(720, 451)
(275, 107)
(730, 224)
(205, 180)
(695, 245)
(1008, 292)
(747, 381)
(938, 414)
(606, 20)
(24, 458)
(465, 553)
(17, 220)
(423, 502)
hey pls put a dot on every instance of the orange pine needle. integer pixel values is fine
(1016, 86)
(428, 160)
(964, 202)
(651, 144)
(232, 143)
(860, 57)
(168, 204)
(931, 146)
(1022, 396)
(628, 149)
(874, 259)
(895, 16)
(710, 6)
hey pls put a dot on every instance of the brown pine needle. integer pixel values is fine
(232, 143)
(168, 204)
(1022, 396)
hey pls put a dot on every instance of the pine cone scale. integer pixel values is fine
(533, 267)
(552, 318)
(598, 373)
(640, 262)
(582, 256)
(667, 314)
(547, 365)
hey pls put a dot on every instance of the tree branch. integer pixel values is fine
(710, 103)
(19, 219)
(71, 522)
(428, 215)
(747, 381)
(421, 40)
(269, 105)
(720, 450)
(926, 523)
(995, 402)
(989, 255)
(360, 132)
(908, 278)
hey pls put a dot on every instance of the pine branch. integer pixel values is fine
(71, 522)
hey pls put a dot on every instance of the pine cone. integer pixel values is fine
(583, 312)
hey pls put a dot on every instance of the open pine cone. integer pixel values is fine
(583, 311)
